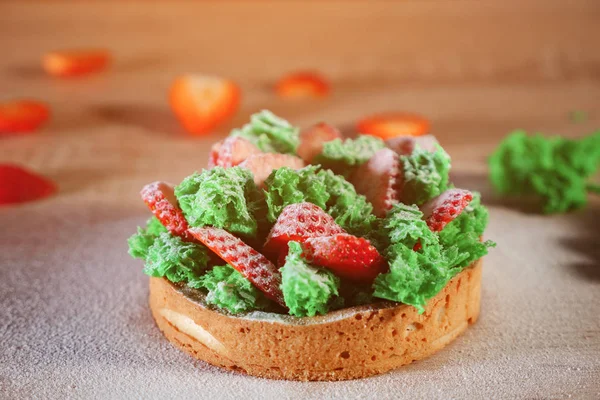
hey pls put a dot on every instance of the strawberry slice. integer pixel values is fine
(380, 180)
(69, 63)
(201, 102)
(346, 255)
(22, 115)
(160, 199)
(231, 151)
(249, 262)
(390, 125)
(443, 209)
(303, 84)
(312, 139)
(299, 222)
(19, 185)
(263, 164)
(404, 145)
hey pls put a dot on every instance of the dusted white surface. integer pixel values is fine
(74, 320)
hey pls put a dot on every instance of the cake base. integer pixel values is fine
(347, 344)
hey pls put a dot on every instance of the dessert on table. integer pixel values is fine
(304, 255)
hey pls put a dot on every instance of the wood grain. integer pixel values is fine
(477, 69)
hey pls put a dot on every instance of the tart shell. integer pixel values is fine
(351, 343)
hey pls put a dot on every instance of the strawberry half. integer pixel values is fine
(346, 255)
(312, 139)
(261, 165)
(380, 180)
(249, 262)
(160, 199)
(231, 151)
(18, 185)
(69, 63)
(303, 84)
(390, 125)
(22, 115)
(299, 222)
(443, 209)
(201, 102)
(404, 145)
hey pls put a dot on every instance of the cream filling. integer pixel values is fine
(189, 327)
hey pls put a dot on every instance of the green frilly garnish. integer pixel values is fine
(176, 260)
(307, 291)
(270, 133)
(223, 197)
(425, 174)
(331, 192)
(229, 290)
(554, 169)
(341, 156)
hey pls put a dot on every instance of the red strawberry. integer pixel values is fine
(394, 124)
(312, 139)
(18, 185)
(299, 222)
(404, 145)
(347, 256)
(444, 208)
(303, 84)
(249, 262)
(380, 179)
(230, 152)
(160, 198)
(263, 164)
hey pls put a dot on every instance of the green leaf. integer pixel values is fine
(229, 290)
(307, 291)
(176, 260)
(222, 197)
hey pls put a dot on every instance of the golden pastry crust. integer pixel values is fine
(346, 344)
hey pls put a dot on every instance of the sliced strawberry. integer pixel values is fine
(160, 199)
(404, 145)
(299, 222)
(18, 185)
(249, 262)
(303, 84)
(380, 180)
(263, 164)
(201, 102)
(346, 255)
(387, 126)
(71, 63)
(231, 151)
(443, 209)
(22, 115)
(312, 139)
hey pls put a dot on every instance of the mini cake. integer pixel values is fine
(306, 256)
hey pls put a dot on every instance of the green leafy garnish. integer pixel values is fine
(425, 175)
(349, 209)
(340, 156)
(140, 242)
(307, 291)
(229, 290)
(331, 192)
(554, 169)
(174, 259)
(466, 230)
(414, 276)
(286, 186)
(270, 133)
(223, 197)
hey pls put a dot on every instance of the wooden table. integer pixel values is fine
(73, 316)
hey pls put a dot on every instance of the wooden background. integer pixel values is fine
(477, 69)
